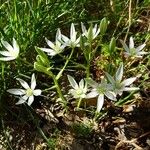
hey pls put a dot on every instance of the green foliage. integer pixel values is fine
(99, 51)
(82, 130)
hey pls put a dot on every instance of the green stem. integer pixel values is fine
(79, 103)
(88, 69)
(57, 86)
(67, 61)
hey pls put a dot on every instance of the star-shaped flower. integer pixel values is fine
(28, 93)
(100, 90)
(91, 33)
(12, 51)
(132, 51)
(78, 91)
(55, 48)
(73, 41)
(118, 86)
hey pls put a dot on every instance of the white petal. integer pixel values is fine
(22, 100)
(92, 94)
(100, 102)
(16, 91)
(131, 43)
(48, 50)
(5, 53)
(130, 88)
(72, 33)
(72, 82)
(58, 35)
(139, 48)
(128, 81)
(92, 83)
(110, 78)
(7, 58)
(65, 39)
(30, 100)
(119, 73)
(81, 84)
(126, 48)
(15, 45)
(33, 82)
(142, 53)
(23, 83)
(50, 44)
(110, 95)
(83, 28)
(7, 46)
(37, 92)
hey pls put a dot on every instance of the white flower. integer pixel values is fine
(91, 33)
(78, 91)
(55, 48)
(12, 51)
(132, 51)
(28, 93)
(73, 41)
(100, 90)
(118, 86)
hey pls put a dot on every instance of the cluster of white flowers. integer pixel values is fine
(110, 90)
(79, 91)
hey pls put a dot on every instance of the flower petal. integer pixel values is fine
(139, 48)
(92, 83)
(81, 84)
(7, 58)
(100, 102)
(30, 100)
(37, 92)
(58, 35)
(126, 48)
(5, 53)
(22, 100)
(142, 53)
(131, 43)
(23, 83)
(50, 44)
(92, 94)
(7, 46)
(33, 82)
(16, 91)
(131, 88)
(48, 50)
(65, 39)
(72, 82)
(110, 78)
(15, 46)
(72, 33)
(128, 81)
(119, 73)
(110, 95)
(83, 29)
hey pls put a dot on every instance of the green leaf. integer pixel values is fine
(112, 45)
(41, 53)
(40, 68)
(90, 33)
(103, 26)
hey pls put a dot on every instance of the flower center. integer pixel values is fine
(29, 92)
(133, 51)
(101, 90)
(79, 92)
